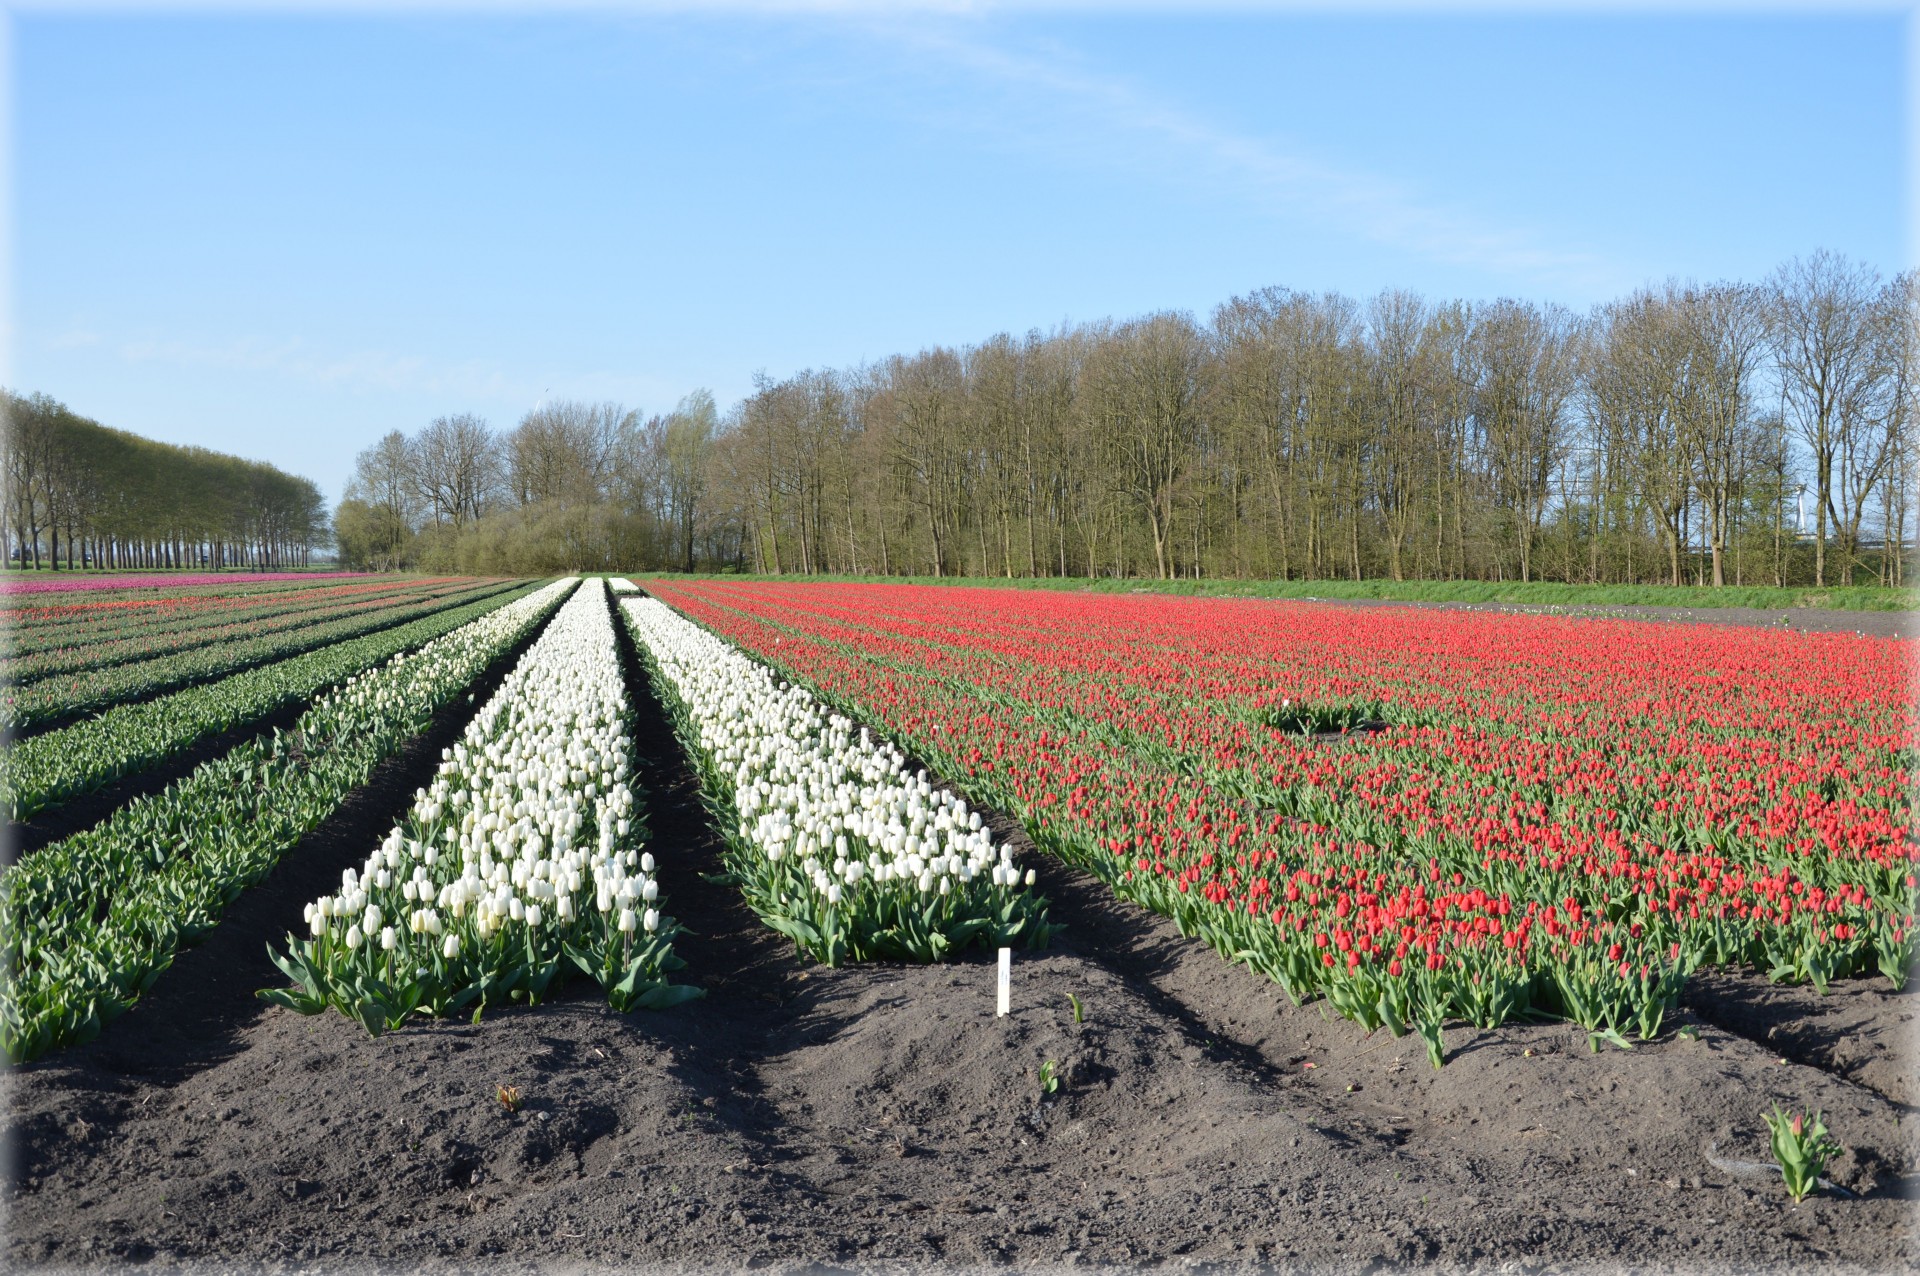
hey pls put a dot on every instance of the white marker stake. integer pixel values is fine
(1006, 979)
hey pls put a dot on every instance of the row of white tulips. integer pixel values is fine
(520, 859)
(835, 840)
(621, 585)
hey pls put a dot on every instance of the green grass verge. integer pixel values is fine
(1532, 594)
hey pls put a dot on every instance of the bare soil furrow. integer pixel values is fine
(1859, 1030)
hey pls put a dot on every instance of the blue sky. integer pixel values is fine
(285, 236)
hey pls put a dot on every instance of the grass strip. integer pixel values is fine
(1511, 593)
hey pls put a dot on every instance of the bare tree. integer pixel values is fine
(1829, 353)
(455, 468)
(1526, 354)
(1726, 332)
(684, 450)
(1149, 380)
(1300, 435)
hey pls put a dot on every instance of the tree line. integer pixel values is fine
(1723, 433)
(75, 493)
(572, 487)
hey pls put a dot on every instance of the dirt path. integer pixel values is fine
(883, 1117)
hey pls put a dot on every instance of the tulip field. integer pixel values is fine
(1417, 817)
(1566, 819)
(431, 920)
(519, 863)
(60, 671)
(87, 924)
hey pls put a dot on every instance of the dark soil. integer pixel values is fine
(882, 1117)
(1860, 1029)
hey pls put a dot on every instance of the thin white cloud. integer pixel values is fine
(293, 359)
(73, 339)
(1113, 116)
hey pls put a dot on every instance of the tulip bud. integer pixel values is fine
(353, 937)
(451, 948)
(388, 939)
(652, 920)
(627, 921)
